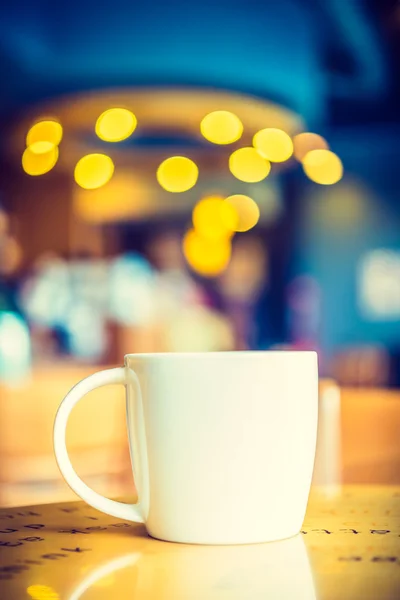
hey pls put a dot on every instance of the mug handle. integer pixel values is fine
(131, 512)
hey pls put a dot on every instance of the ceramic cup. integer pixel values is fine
(222, 444)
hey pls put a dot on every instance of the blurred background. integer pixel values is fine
(189, 177)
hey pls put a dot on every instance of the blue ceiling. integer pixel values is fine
(318, 57)
(279, 50)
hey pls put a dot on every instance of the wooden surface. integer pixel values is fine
(370, 425)
(349, 548)
(358, 442)
(96, 438)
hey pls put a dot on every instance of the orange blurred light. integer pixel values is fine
(206, 256)
(246, 213)
(124, 197)
(221, 127)
(115, 124)
(40, 163)
(177, 174)
(305, 142)
(273, 144)
(214, 218)
(323, 166)
(93, 170)
(10, 255)
(248, 165)
(4, 222)
(45, 131)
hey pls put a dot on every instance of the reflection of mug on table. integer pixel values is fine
(278, 570)
(222, 444)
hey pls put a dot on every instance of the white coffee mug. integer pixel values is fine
(222, 444)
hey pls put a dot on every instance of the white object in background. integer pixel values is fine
(327, 470)
(223, 444)
(15, 349)
(132, 291)
(198, 329)
(379, 285)
(87, 332)
(47, 294)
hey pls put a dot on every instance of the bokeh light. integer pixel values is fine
(379, 284)
(199, 329)
(35, 163)
(115, 124)
(268, 197)
(246, 212)
(4, 222)
(323, 166)
(93, 170)
(41, 147)
(273, 144)
(206, 256)
(305, 142)
(15, 349)
(10, 255)
(221, 127)
(131, 276)
(248, 165)
(124, 197)
(344, 206)
(45, 131)
(42, 592)
(177, 174)
(214, 218)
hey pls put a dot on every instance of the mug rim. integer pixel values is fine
(224, 354)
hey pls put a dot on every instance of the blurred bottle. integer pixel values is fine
(15, 345)
(304, 298)
(15, 348)
(241, 286)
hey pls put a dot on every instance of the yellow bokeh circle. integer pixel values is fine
(206, 256)
(39, 163)
(93, 171)
(45, 131)
(273, 144)
(42, 592)
(177, 174)
(221, 127)
(246, 212)
(41, 147)
(305, 142)
(214, 218)
(248, 165)
(115, 124)
(323, 166)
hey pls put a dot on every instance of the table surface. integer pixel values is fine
(349, 548)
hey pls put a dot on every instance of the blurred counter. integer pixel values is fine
(367, 424)
(96, 437)
(370, 426)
